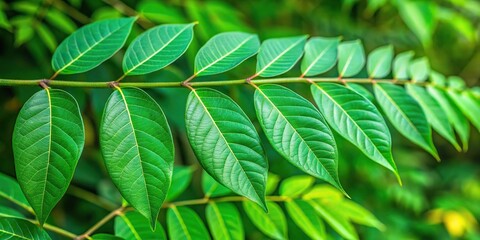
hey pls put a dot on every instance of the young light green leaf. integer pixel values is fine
(47, 142)
(323, 191)
(401, 65)
(436, 115)
(184, 223)
(226, 143)
(438, 79)
(296, 185)
(405, 115)
(419, 69)
(335, 219)
(351, 58)
(272, 183)
(454, 114)
(380, 62)
(297, 131)
(278, 55)
(361, 90)
(157, 48)
(357, 120)
(91, 45)
(225, 51)
(358, 214)
(181, 178)
(133, 226)
(15, 228)
(10, 190)
(137, 147)
(303, 215)
(224, 221)
(273, 224)
(320, 55)
(212, 188)
(467, 104)
(456, 83)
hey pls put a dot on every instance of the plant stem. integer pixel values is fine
(101, 223)
(55, 229)
(73, 83)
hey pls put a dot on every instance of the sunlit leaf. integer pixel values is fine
(351, 58)
(226, 143)
(303, 215)
(401, 64)
(273, 224)
(224, 221)
(335, 219)
(379, 62)
(419, 69)
(361, 90)
(469, 106)
(320, 55)
(47, 142)
(184, 223)
(137, 147)
(296, 185)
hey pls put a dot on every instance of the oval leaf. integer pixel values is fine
(351, 58)
(226, 143)
(278, 55)
(134, 226)
(225, 51)
(320, 55)
(436, 116)
(47, 142)
(91, 45)
(14, 228)
(273, 224)
(224, 221)
(419, 70)
(380, 62)
(157, 48)
(357, 120)
(297, 131)
(184, 223)
(296, 186)
(405, 115)
(137, 147)
(401, 65)
(303, 215)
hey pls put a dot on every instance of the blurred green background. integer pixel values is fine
(437, 200)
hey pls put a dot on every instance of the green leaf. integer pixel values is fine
(296, 185)
(405, 115)
(137, 147)
(134, 226)
(467, 104)
(335, 219)
(226, 143)
(297, 131)
(357, 120)
(456, 83)
(212, 188)
(23, 34)
(323, 191)
(224, 221)
(358, 214)
(302, 214)
(91, 45)
(47, 142)
(14, 228)
(273, 224)
(438, 79)
(454, 114)
(184, 223)
(47, 37)
(320, 55)
(225, 51)
(157, 48)
(361, 90)
(436, 116)
(420, 17)
(278, 55)
(272, 183)
(351, 58)
(10, 190)
(10, 212)
(380, 62)
(401, 65)
(60, 21)
(419, 69)
(104, 236)
(181, 178)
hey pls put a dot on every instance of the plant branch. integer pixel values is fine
(101, 223)
(54, 229)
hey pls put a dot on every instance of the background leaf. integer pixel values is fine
(224, 221)
(380, 62)
(184, 223)
(226, 143)
(212, 188)
(10, 190)
(335, 219)
(401, 64)
(320, 55)
(273, 224)
(296, 185)
(304, 216)
(138, 150)
(157, 48)
(133, 225)
(47, 142)
(351, 58)
(91, 45)
(225, 51)
(181, 178)
(419, 69)
(278, 55)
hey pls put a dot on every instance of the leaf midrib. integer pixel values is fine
(181, 222)
(157, 51)
(225, 140)
(295, 130)
(354, 122)
(49, 152)
(221, 220)
(226, 55)
(280, 55)
(130, 225)
(13, 234)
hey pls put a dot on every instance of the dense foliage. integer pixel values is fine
(252, 149)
